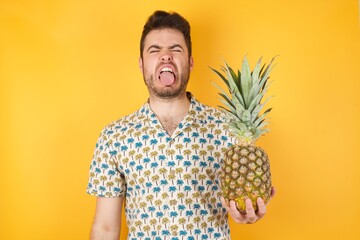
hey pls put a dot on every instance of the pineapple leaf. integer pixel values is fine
(234, 77)
(239, 113)
(262, 132)
(241, 126)
(257, 109)
(227, 99)
(237, 97)
(256, 72)
(248, 135)
(244, 102)
(231, 85)
(259, 133)
(255, 101)
(245, 80)
(262, 69)
(246, 116)
(231, 115)
(234, 85)
(230, 107)
(262, 117)
(221, 76)
(223, 93)
(267, 71)
(255, 89)
(263, 83)
(238, 108)
(268, 110)
(262, 125)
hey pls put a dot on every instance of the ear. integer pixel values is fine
(141, 64)
(191, 62)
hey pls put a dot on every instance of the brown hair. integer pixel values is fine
(161, 20)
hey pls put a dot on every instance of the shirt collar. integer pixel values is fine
(148, 117)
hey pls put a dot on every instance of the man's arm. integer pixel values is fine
(107, 222)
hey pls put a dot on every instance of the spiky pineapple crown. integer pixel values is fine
(244, 103)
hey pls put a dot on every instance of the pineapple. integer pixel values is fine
(245, 172)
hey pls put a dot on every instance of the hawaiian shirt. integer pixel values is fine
(171, 183)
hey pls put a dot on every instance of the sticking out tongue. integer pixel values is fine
(167, 78)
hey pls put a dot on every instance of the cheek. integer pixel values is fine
(149, 65)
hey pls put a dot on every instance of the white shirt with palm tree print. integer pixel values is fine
(171, 183)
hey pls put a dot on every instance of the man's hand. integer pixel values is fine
(250, 216)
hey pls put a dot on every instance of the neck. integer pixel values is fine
(170, 112)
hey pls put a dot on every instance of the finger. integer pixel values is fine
(250, 212)
(234, 212)
(273, 191)
(223, 202)
(272, 194)
(261, 208)
(233, 209)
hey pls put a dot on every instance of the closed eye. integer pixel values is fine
(153, 49)
(176, 48)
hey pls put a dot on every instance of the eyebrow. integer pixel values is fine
(171, 47)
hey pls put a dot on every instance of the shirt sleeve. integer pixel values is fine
(105, 178)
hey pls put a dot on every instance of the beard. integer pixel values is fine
(168, 92)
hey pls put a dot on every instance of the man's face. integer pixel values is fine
(166, 63)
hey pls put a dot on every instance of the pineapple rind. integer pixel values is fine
(252, 178)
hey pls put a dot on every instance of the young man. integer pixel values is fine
(165, 158)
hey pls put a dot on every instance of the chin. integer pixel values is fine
(169, 93)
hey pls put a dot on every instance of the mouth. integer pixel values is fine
(167, 76)
(166, 69)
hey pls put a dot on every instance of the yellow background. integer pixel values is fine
(67, 68)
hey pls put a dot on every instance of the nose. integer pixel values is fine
(166, 56)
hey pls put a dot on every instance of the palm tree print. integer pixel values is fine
(189, 227)
(165, 221)
(103, 178)
(195, 147)
(170, 183)
(153, 222)
(158, 203)
(109, 185)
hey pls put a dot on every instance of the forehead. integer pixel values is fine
(164, 37)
